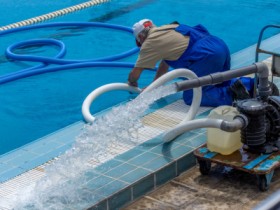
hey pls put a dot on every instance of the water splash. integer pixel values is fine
(65, 180)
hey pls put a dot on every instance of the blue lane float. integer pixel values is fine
(63, 64)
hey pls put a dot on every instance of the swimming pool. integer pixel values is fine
(30, 9)
(36, 106)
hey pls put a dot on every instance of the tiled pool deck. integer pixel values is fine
(131, 172)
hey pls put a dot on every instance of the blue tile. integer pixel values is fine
(147, 145)
(143, 186)
(157, 163)
(4, 167)
(178, 152)
(99, 206)
(197, 141)
(45, 148)
(172, 150)
(89, 175)
(185, 137)
(87, 198)
(21, 158)
(143, 159)
(120, 199)
(37, 161)
(32, 164)
(6, 175)
(166, 174)
(98, 182)
(20, 152)
(164, 148)
(107, 166)
(161, 149)
(7, 157)
(55, 206)
(112, 188)
(62, 149)
(135, 175)
(65, 139)
(33, 146)
(55, 152)
(67, 134)
(200, 130)
(132, 153)
(185, 163)
(120, 170)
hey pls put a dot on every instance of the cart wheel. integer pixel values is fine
(262, 182)
(204, 166)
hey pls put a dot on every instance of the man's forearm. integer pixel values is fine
(134, 76)
(162, 69)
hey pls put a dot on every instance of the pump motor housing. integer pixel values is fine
(263, 129)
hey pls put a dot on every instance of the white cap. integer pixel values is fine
(140, 26)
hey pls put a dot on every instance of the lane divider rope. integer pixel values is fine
(54, 14)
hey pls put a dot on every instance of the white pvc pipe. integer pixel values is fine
(162, 80)
(191, 125)
(197, 93)
(228, 126)
(186, 124)
(101, 90)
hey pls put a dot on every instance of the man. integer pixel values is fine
(181, 46)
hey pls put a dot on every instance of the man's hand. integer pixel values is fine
(135, 84)
(134, 76)
(131, 80)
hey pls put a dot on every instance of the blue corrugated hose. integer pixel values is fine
(64, 64)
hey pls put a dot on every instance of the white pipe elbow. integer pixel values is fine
(101, 90)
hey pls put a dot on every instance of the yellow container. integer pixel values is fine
(220, 141)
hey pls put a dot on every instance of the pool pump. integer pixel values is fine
(261, 134)
(259, 118)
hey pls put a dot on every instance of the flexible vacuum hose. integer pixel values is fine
(238, 123)
(203, 123)
(99, 91)
(176, 74)
(159, 82)
(63, 64)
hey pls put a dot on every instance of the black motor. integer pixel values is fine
(262, 133)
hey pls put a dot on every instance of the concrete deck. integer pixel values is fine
(221, 189)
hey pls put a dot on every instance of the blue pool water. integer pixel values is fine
(17, 10)
(36, 106)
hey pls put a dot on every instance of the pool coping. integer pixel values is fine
(53, 145)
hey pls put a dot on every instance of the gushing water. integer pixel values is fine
(66, 179)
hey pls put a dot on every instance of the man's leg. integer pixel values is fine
(224, 93)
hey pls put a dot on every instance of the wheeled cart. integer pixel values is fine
(262, 165)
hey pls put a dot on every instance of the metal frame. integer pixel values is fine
(275, 68)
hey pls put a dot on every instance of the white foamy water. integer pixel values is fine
(66, 178)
